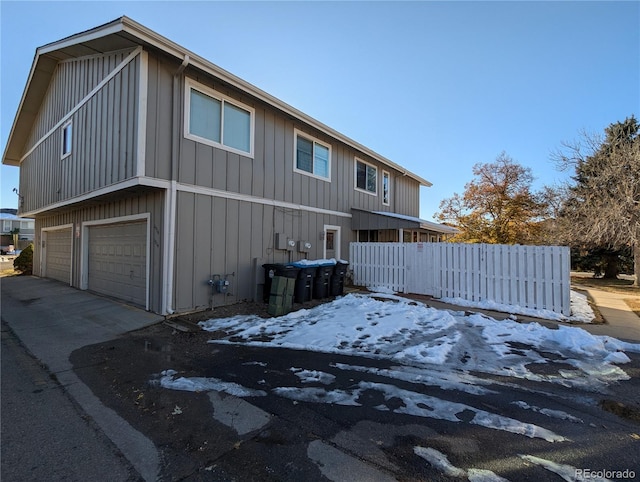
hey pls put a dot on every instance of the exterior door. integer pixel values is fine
(118, 261)
(332, 242)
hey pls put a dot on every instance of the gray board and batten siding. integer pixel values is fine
(104, 130)
(206, 210)
(269, 174)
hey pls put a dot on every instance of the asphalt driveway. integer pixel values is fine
(276, 413)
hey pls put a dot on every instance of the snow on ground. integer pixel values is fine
(415, 335)
(445, 349)
(441, 462)
(581, 312)
(567, 472)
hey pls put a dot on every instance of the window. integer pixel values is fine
(368, 236)
(366, 177)
(385, 187)
(67, 137)
(312, 156)
(6, 226)
(212, 118)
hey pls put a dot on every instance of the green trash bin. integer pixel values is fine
(272, 270)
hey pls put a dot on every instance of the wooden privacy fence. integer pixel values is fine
(535, 277)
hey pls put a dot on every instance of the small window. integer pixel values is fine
(386, 188)
(218, 121)
(312, 157)
(6, 226)
(67, 137)
(366, 177)
(366, 236)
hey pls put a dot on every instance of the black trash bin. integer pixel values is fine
(337, 279)
(304, 282)
(321, 281)
(277, 269)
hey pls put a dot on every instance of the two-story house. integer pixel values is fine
(149, 171)
(14, 228)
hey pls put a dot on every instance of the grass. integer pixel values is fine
(8, 272)
(623, 286)
(634, 304)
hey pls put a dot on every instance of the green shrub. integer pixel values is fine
(24, 262)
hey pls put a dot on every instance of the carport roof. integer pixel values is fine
(372, 220)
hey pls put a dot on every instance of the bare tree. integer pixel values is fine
(603, 206)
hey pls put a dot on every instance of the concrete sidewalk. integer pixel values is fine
(621, 322)
(52, 320)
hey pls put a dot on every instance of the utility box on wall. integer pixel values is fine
(281, 241)
(304, 246)
(284, 242)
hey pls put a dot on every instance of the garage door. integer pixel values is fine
(57, 252)
(118, 261)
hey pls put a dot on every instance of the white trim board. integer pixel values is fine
(207, 191)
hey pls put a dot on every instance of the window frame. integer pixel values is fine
(386, 189)
(67, 140)
(190, 85)
(298, 133)
(355, 176)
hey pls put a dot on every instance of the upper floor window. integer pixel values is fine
(67, 137)
(312, 156)
(386, 187)
(366, 177)
(6, 226)
(214, 119)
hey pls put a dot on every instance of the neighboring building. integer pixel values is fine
(150, 171)
(10, 221)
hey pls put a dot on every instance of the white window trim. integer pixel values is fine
(355, 176)
(388, 176)
(63, 154)
(300, 133)
(192, 84)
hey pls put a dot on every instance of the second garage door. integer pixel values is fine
(118, 261)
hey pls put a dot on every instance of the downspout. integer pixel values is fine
(396, 202)
(170, 205)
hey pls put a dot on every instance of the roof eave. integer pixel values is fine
(172, 48)
(145, 35)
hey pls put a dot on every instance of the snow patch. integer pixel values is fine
(169, 380)
(580, 310)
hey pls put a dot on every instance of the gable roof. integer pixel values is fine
(125, 33)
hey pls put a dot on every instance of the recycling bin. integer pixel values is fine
(276, 269)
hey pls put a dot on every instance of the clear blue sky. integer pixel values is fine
(433, 86)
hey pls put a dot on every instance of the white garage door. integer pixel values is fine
(57, 254)
(118, 261)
